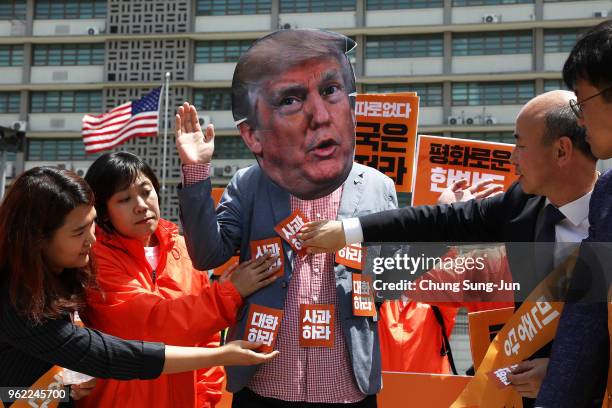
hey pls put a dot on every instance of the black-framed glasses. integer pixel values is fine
(577, 106)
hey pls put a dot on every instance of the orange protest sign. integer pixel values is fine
(483, 327)
(50, 391)
(440, 161)
(216, 194)
(273, 246)
(386, 134)
(262, 326)
(363, 295)
(352, 256)
(531, 327)
(317, 325)
(420, 390)
(288, 229)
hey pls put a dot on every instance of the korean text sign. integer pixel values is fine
(386, 134)
(443, 160)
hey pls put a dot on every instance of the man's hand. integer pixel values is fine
(78, 391)
(459, 192)
(193, 147)
(322, 236)
(527, 377)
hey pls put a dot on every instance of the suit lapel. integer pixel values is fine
(525, 222)
(281, 209)
(351, 193)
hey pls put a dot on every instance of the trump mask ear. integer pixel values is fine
(250, 137)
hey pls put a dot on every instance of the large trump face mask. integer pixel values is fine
(292, 99)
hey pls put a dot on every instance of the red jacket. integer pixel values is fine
(178, 307)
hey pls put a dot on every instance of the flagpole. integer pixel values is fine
(163, 182)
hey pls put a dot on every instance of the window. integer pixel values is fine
(66, 101)
(404, 46)
(459, 3)
(69, 54)
(220, 51)
(503, 137)
(402, 4)
(429, 94)
(58, 150)
(313, 6)
(233, 7)
(11, 55)
(231, 147)
(70, 9)
(9, 102)
(213, 99)
(554, 84)
(13, 10)
(561, 40)
(493, 43)
(492, 93)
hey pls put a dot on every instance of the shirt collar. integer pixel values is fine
(576, 211)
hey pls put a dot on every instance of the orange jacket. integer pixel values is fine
(410, 335)
(178, 307)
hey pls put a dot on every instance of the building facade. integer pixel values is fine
(473, 63)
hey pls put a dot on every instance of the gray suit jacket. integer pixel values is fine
(250, 208)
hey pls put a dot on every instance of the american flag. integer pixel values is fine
(132, 119)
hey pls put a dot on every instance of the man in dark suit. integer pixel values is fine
(556, 175)
(582, 335)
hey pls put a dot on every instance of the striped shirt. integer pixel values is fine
(318, 374)
(27, 350)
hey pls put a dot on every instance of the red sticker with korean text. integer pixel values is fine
(273, 246)
(500, 376)
(352, 256)
(363, 295)
(317, 325)
(262, 326)
(288, 229)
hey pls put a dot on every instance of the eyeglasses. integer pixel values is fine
(577, 106)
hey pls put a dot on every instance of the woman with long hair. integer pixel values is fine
(47, 231)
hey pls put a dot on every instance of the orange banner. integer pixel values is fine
(483, 327)
(386, 134)
(216, 194)
(51, 380)
(420, 390)
(529, 329)
(440, 161)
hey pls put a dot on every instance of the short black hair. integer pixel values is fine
(591, 59)
(561, 121)
(113, 172)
